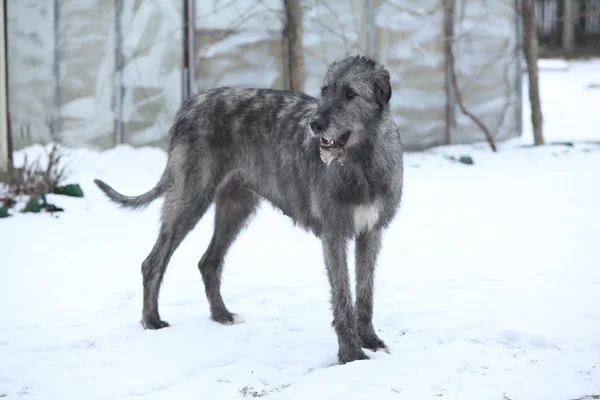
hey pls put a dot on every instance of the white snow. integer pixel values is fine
(488, 285)
(571, 100)
(556, 64)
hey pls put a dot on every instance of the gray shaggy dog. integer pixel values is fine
(334, 165)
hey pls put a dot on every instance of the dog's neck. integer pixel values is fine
(376, 135)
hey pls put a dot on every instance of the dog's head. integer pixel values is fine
(356, 92)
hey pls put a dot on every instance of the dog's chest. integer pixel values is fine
(366, 216)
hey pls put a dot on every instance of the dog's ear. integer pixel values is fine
(383, 88)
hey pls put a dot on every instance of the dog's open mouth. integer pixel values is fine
(332, 149)
(330, 144)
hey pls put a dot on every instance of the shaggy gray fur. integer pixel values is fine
(333, 165)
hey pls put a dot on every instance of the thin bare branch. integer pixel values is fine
(449, 48)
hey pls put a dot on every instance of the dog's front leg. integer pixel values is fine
(344, 315)
(367, 249)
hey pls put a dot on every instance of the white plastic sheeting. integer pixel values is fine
(86, 47)
(153, 58)
(331, 32)
(239, 43)
(487, 68)
(410, 42)
(31, 82)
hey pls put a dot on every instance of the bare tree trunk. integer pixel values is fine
(568, 33)
(293, 34)
(530, 48)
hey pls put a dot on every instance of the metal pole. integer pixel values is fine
(287, 79)
(119, 65)
(56, 123)
(450, 89)
(185, 72)
(519, 64)
(189, 49)
(285, 55)
(191, 24)
(5, 150)
(370, 21)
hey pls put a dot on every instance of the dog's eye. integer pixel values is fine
(350, 94)
(323, 90)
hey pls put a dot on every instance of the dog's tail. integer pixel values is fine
(133, 202)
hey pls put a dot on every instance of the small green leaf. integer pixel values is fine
(73, 190)
(466, 160)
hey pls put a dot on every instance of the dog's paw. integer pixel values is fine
(154, 323)
(227, 318)
(372, 342)
(355, 354)
(236, 319)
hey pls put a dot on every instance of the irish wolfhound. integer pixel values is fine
(333, 165)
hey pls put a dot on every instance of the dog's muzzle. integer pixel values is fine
(330, 144)
(331, 149)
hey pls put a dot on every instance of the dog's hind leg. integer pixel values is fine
(181, 213)
(367, 249)
(234, 205)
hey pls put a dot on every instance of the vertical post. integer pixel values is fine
(192, 45)
(370, 22)
(449, 16)
(119, 65)
(4, 131)
(55, 127)
(189, 49)
(519, 65)
(568, 31)
(185, 73)
(285, 54)
(292, 33)
(285, 57)
(530, 48)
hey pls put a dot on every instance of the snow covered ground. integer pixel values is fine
(488, 284)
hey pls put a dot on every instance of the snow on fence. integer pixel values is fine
(98, 73)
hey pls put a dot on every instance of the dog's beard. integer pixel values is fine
(333, 149)
(328, 155)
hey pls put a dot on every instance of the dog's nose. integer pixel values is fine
(318, 125)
